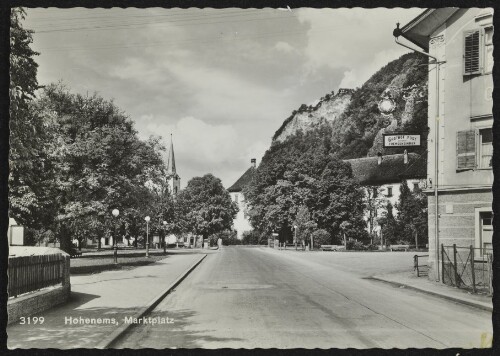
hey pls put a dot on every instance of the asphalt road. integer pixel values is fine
(262, 298)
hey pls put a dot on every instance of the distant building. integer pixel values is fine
(241, 223)
(381, 178)
(460, 141)
(15, 233)
(174, 181)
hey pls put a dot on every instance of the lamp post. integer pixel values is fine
(115, 213)
(147, 218)
(295, 236)
(164, 236)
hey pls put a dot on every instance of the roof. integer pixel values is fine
(423, 26)
(243, 181)
(392, 169)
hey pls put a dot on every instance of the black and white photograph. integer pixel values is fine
(280, 177)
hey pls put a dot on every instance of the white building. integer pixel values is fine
(241, 223)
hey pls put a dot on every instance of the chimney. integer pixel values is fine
(405, 157)
(253, 161)
(379, 161)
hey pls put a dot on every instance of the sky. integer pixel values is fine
(220, 81)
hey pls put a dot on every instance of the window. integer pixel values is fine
(474, 149)
(472, 53)
(466, 150)
(389, 191)
(488, 49)
(415, 186)
(236, 198)
(478, 51)
(485, 148)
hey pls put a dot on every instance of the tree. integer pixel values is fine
(305, 226)
(31, 164)
(412, 215)
(390, 225)
(101, 163)
(204, 207)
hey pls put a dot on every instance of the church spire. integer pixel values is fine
(171, 159)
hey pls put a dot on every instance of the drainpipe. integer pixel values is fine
(397, 32)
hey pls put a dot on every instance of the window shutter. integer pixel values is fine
(472, 53)
(466, 150)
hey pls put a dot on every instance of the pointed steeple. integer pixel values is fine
(171, 159)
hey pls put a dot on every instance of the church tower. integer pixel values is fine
(173, 179)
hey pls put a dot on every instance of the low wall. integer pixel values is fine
(36, 302)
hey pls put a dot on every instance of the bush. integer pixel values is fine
(252, 238)
(355, 245)
(321, 237)
(228, 238)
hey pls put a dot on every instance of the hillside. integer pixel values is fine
(306, 118)
(355, 117)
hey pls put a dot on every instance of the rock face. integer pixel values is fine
(393, 100)
(307, 118)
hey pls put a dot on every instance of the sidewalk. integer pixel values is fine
(106, 297)
(423, 284)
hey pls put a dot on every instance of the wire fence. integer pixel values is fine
(468, 268)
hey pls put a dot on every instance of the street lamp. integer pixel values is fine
(147, 218)
(295, 236)
(115, 213)
(164, 236)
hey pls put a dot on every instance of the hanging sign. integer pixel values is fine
(401, 140)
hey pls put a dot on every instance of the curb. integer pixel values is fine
(121, 330)
(439, 295)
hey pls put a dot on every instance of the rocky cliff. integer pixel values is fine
(306, 118)
(394, 99)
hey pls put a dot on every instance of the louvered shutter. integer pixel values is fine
(472, 52)
(466, 150)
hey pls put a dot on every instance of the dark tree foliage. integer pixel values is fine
(30, 163)
(301, 173)
(412, 215)
(356, 128)
(204, 207)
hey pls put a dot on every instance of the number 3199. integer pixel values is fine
(31, 320)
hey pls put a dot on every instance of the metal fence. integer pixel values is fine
(420, 265)
(468, 268)
(31, 273)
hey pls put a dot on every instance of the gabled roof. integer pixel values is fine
(392, 169)
(243, 181)
(421, 27)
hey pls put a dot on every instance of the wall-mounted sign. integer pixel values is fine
(401, 140)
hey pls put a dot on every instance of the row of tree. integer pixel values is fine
(75, 158)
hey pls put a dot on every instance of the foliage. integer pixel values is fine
(229, 237)
(321, 237)
(301, 172)
(204, 207)
(355, 130)
(31, 165)
(389, 225)
(412, 215)
(305, 226)
(96, 163)
(253, 237)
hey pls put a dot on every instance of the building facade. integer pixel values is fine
(460, 141)
(241, 223)
(381, 178)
